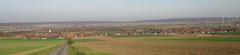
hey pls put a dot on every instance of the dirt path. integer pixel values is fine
(62, 50)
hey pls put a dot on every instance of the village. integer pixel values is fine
(79, 30)
(124, 31)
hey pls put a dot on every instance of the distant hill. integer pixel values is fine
(60, 22)
(187, 20)
(156, 21)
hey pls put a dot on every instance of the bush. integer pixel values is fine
(70, 41)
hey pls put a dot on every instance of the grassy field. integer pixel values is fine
(23, 46)
(127, 45)
(161, 45)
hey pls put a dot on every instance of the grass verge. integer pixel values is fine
(77, 49)
(81, 50)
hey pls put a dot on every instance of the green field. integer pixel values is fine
(20, 46)
(159, 45)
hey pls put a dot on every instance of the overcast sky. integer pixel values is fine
(113, 10)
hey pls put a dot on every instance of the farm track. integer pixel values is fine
(62, 50)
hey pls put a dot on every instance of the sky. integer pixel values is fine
(113, 10)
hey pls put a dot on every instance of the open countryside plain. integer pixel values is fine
(27, 46)
(159, 45)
